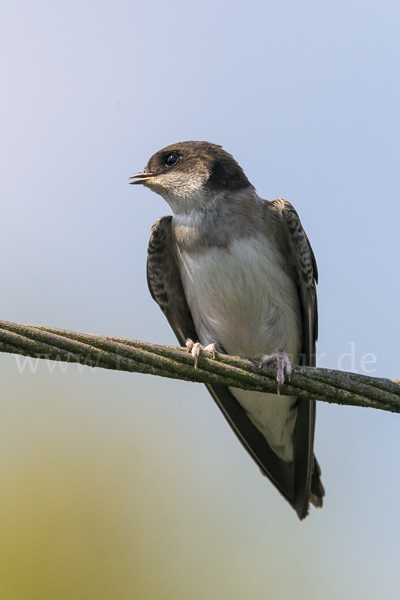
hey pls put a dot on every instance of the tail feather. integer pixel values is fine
(317, 489)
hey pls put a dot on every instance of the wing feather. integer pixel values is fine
(296, 246)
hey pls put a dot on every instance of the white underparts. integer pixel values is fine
(241, 298)
(274, 416)
(183, 191)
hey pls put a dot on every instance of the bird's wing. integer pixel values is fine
(165, 284)
(294, 244)
(164, 280)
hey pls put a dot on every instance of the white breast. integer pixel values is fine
(241, 298)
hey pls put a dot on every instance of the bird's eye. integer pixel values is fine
(171, 159)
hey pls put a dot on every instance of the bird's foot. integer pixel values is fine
(196, 348)
(283, 364)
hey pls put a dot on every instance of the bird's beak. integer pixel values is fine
(141, 177)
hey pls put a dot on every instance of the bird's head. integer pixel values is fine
(188, 175)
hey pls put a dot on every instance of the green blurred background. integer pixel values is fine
(122, 486)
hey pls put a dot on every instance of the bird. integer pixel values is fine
(235, 274)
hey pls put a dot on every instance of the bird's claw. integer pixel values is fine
(283, 364)
(196, 348)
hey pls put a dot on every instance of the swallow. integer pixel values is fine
(236, 274)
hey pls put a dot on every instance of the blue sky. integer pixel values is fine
(305, 95)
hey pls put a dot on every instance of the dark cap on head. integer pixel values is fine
(221, 171)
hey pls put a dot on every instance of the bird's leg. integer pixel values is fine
(283, 363)
(196, 348)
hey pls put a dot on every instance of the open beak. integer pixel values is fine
(141, 177)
